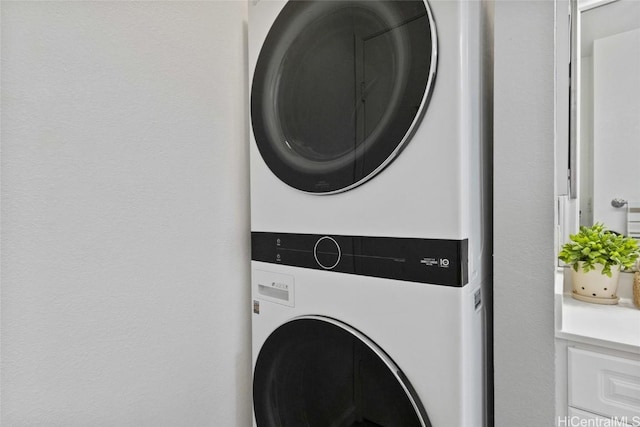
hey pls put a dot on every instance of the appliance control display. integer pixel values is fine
(327, 252)
(433, 261)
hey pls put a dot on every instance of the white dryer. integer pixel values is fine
(370, 212)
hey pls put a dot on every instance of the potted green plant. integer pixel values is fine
(597, 256)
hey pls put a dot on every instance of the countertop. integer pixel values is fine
(614, 326)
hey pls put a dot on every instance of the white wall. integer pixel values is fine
(125, 297)
(523, 213)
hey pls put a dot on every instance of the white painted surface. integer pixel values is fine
(616, 126)
(615, 17)
(125, 282)
(523, 213)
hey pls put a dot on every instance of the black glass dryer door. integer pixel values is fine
(317, 372)
(339, 87)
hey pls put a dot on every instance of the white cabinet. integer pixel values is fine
(581, 418)
(597, 359)
(603, 384)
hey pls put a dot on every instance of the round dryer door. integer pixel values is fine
(317, 372)
(339, 87)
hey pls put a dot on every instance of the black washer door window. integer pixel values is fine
(338, 88)
(317, 372)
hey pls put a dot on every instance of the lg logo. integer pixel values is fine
(431, 262)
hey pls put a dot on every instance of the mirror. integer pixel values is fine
(606, 112)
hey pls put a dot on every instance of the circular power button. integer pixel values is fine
(327, 252)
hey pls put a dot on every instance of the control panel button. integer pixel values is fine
(327, 252)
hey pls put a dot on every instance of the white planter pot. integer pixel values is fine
(594, 286)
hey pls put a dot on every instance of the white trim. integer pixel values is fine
(584, 5)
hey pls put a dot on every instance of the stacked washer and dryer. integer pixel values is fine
(370, 213)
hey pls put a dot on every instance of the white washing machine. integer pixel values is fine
(370, 212)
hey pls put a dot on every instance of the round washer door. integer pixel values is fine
(339, 87)
(316, 372)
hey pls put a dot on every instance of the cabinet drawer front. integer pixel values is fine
(578, 417)
(604, 384)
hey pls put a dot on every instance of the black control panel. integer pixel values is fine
(434, 261)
